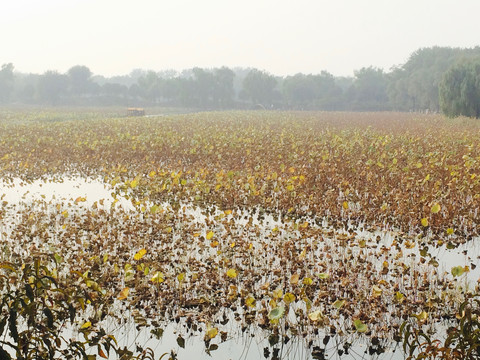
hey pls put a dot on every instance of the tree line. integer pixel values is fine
(432, 79)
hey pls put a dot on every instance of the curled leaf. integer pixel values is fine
(123, 294)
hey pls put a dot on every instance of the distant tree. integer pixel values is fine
(170, 89)
(50, 87)
(318, 92)
(223, 91)
(112, 93)
(149, 85)
(135, 95)
(329, 93)
(369, 90)
(80, 82)
(460, 90)
(203, 87)
(300, 91)
(415, 84)
(6, 82)
(259, 87)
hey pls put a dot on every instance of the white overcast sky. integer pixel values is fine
(112, 37)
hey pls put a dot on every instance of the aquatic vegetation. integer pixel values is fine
(311, 226)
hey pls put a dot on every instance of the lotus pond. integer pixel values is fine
(238, 235)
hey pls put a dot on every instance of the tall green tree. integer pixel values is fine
(460, 90)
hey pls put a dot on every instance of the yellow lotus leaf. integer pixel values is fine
(123, 294)
(376, 291)
(315, 315)
(232, 273)
(294, 279)
(288, 298)
(435, 208)
(308, 302)
(140, 254)
(424, 222)
(422, 316)
(158, 277)
(211, 332)
(399, 297)
(409, 244)
(307, 281)
(250, 301)
(277, 293)
(134, 183)
(86, 325)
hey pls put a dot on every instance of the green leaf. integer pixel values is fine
(276, 313)
(158, 277)
(323, 276)
(58, 258)
(458, 271)
(424, 222)
(435, 208)
(338, 303)
(360, 326)
(181, 341)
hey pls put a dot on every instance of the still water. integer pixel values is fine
(247, 345)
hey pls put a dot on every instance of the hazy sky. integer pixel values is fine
(112, 37)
